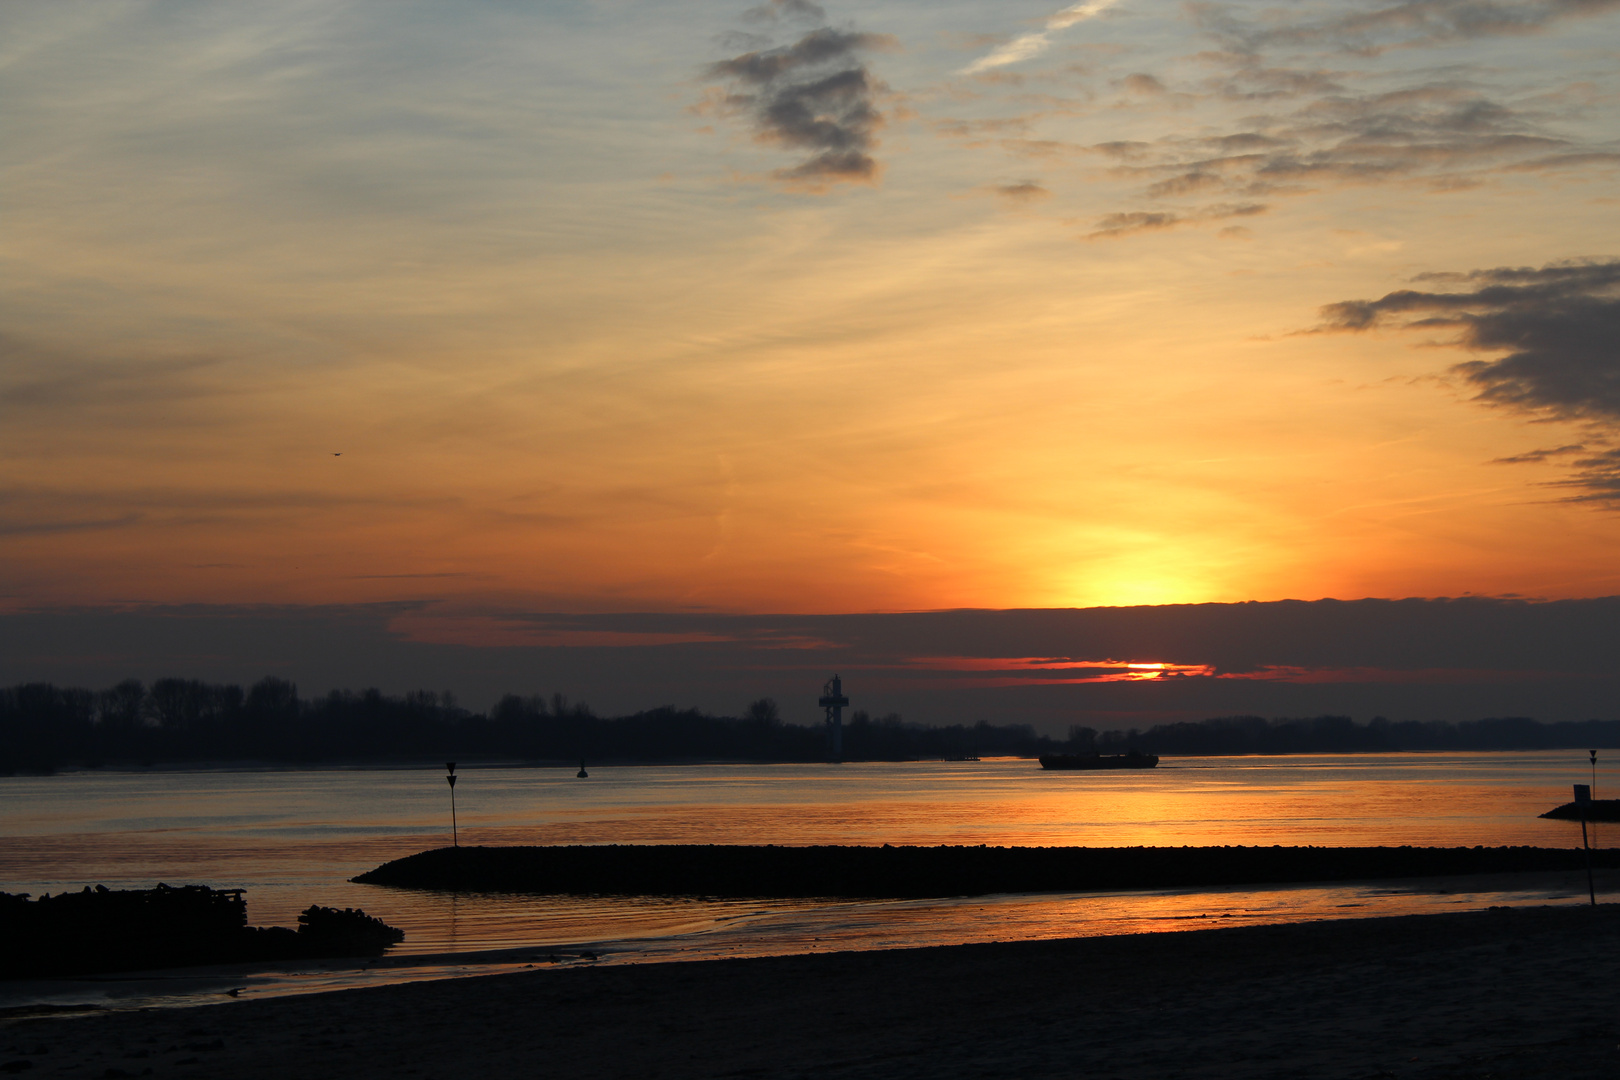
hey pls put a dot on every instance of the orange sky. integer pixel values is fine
(591, 335)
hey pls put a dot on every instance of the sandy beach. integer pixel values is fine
(1501, 993)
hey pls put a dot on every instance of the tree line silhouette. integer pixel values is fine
(45, 727)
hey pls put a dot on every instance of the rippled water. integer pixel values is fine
(294, 837)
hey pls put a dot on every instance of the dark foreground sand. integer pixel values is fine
(1520, 993)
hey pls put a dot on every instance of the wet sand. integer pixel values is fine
(1502, 993)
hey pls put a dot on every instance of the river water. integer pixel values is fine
(293, 837)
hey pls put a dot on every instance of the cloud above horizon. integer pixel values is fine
(1112, 226)
(1274, 111)
(1436, 137)
(1555, 329)
(814, 95)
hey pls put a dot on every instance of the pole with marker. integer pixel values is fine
(455, 841)
(1583, 799)
(1594, 794)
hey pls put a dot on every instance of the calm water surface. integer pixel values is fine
(294, 837)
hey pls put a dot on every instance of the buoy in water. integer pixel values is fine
(582, 774)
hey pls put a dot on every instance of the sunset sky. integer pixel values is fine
(468, 316)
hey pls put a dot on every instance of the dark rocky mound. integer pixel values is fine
(691, 870)
(102, 929)
(1596, 810)
(324, 931)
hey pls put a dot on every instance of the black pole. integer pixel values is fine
(1594, 790)
(455, 839)
(1591, 890)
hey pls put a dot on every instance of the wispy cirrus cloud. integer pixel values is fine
(815, 95)
(1036, 42)
(1437, 137)
(1274, 109)
(1438, 132)
(33, 510)
(1409, 24)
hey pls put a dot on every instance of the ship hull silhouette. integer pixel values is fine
(1132, 760)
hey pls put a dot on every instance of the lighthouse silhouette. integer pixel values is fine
(833, 700)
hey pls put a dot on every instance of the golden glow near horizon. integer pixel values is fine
(518, 310)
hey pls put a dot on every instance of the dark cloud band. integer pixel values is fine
(1555, 329)
(1405, 659)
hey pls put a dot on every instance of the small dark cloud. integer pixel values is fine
(1192, 182)
(1141, 83)
(982, 132)
(814, 95)
(1022, 191)
(1553, 331)
(1126, 150)
(1535, 457)
(1227, 210)
(1113, 226)
(1110, 226)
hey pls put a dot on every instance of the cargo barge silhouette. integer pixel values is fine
(1132, 760)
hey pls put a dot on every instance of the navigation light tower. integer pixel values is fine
(833, 700)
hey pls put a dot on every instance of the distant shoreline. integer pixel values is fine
(44, 728)
(572, 764)
(914, 872)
